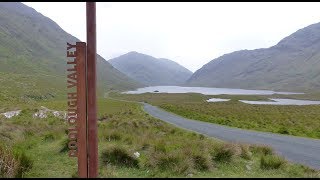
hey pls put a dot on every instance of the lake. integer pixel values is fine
(217, 100)
(204, 90)
(273, 102)
(219, 91)
(283, 102)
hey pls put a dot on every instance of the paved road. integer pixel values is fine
(296, 149)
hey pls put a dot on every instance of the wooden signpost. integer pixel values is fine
(92, 79)
(82, 109)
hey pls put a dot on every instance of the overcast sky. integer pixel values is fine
(190, 33)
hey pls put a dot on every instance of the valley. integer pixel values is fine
(155, 117)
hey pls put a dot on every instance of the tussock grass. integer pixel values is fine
(25, 162)
(64, 145)
(271, 162)
(9, 166)
(245, 152)
(119, 156)
(262, 149)
(13, 162)
(165, 151)
(226, 152)
(49, 137)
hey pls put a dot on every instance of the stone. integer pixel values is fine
(10, 114)
(136, 154)
(190, 175)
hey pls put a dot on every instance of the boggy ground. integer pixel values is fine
(38, 148)
(283, 119)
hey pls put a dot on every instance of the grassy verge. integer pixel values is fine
(133, 144)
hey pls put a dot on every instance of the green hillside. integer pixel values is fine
(151, 71)
(33, 57)
(292, 65)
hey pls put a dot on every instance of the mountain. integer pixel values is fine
(151, 71)
(33, 56)
(292, 65)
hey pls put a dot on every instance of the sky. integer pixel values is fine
(189, 33)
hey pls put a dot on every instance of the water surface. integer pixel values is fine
(217, 100)
(283, 102)
(204, 90)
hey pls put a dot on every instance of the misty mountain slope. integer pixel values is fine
(34, 46)
(293, 64)
(151, 71)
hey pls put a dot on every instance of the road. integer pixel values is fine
(295, 149)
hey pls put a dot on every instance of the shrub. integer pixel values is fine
(119, 156)
(271, 162)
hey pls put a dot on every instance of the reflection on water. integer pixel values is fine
(203, 90)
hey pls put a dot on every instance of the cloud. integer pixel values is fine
(189, 33)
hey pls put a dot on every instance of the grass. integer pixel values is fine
(9, 164)
(271, 162)
(285, 119)
(35, 141)
(119, 156)
(165, 151)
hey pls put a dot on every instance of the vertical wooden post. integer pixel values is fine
(81, 109)
(91, 79)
